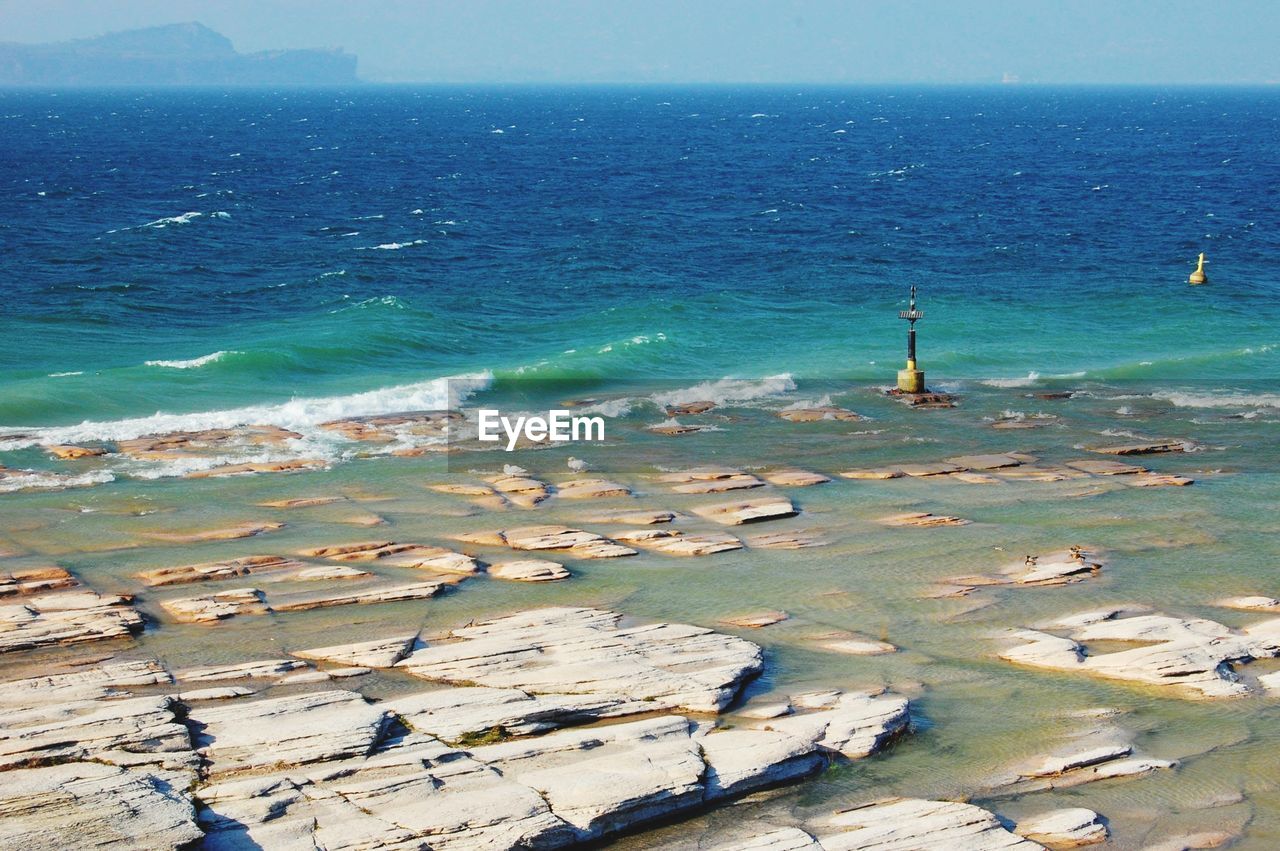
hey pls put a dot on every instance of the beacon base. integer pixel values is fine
(911, 381)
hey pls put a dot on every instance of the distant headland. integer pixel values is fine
(174, 55)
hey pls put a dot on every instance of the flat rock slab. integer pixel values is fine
(414, 556)
(302, 502)
(923, 520)
(874, 473)
(91, 805)
(711, 480)
(554, 790)
(755, 620)
(294, 730)
(672, 428)
(591, 489)
(984, 462)
(69, 616)
(819, 413)
(264, 669)
(855, 646)
(586, 651)
(210, 571)
(1151, 448)
(296, 465)
(521, 491)
(1068, 828)
(37, 580)
(639, 517)
(575, 541)
(748, 510)
(1250, 604)
(251, 601)
(690, 408)
(799, 539)
(227, 533)
(379, 653)
(1190, 656)
(215, 607)
(673, 542)
(794, 478)
(1157, 480)
(912, 823)
(528, 570)
(1104, 467)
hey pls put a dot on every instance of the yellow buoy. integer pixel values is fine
(1198, 276)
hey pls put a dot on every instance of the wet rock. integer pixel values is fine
(214, 693)
(971, 478)
(748, 510)
(1104, 467)
(295, 465)
(1250, 604)
(1150, 448)
(1192, 656)
(416, 556)
(211, 442)
(575, 541)
(782, 839)
(938, 468)
(1068, 828)
(755, 620)
(379, 653)
(73, 453)
(216, 607)
(528, 570)
(793, 478)
(364, 596)
(985, 462)
(22, 583)
(591, 489)
(522, 491)
(477, 712)
(1154, 480)
(923, 520)
(639, 517)
(390, 428)
(674, 428)
(585, 651)
(710, 480)
(874, 473)
(87, 683)
(209, 571)
(856, 646)
(302, 502)
(818, 414)
(1058, 568)
(327, 572)
(690, 409)
(229, 533)
(91, 805)
(795, 540)
(673, 542)
(294, 730)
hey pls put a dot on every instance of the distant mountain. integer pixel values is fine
(174, 55)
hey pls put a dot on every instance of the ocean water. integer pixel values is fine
(191, 260)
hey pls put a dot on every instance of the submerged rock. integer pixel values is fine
(228, 533)
(794, 478)
(755, 620)
(924, 519)
(748, 510)
(673, 542)
(818, 414)
(236, 567)
(1150, 448)
(1105, 467)
(379, 653)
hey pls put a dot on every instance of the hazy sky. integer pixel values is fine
(961, 41)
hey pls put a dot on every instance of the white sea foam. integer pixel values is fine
(1031, 378)
(1219, 399)
(46, 481)
(193, 363)
(302, 415)
(728, 390)
(65, 374)
(392, 246)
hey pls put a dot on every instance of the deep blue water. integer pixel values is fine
(346, 241)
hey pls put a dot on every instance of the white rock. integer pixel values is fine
(379, 653)
(911, 824)
(1066, 828)
(528, 570)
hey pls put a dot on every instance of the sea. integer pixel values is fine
(186, 260)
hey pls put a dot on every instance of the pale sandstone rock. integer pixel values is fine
(924, 520)
(454, 713)
(23, 583)
(245, 566)
(528, 570)
(985, 462)
(296, 465)
(267, 668)
(794, 478)
(798, 539)
(577, 542)
(214, 693)
(229, 533)
(216, 607)
(302, 502)
(335, 571)
(767, 711)
(639, 517)
(818, 414)
(73, 453)
(1067, 828)
(91, 805)
(748, 510)
(1192, 655)
(911, 824)
(1105, 467)
(86, 683)
(67, 616)
(676, 543)
(364, 596)
(294, 730)
(522, 491)
(379, 653)
(710, 479)
(585, 651)
(1155, 480)
(591, 489)
(416, 556)
(1250, 604)
(672, 428)
(390, 428)
(690, 408)
(856, 646)
(782, 839)
(755, 620)
(971, 478)
(874, 473)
